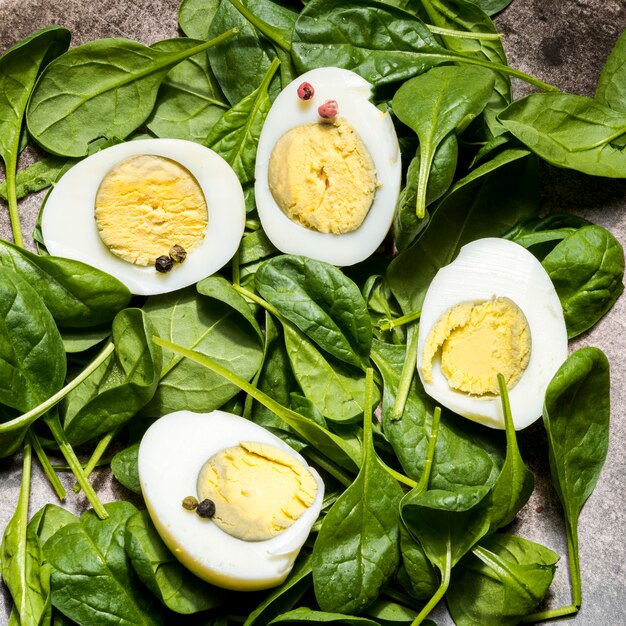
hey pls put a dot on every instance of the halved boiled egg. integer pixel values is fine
(232, 501)
(327, 168)
(492, 311)
(158, 214)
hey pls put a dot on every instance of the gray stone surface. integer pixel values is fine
(565, 43)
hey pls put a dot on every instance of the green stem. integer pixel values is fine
(408, 371)
(236, 268)
(574, 564)
(77, 469)
(432, 603)
(463, 34)
(422, 486)
(542, 616)
(400, 321)
(368, 434)
(11, 173)
(426, 157)
(258, 300)
(253, 224)
(273, 34)
(54, 480)
(101, 448)
(22, 511)
(38, 411)
(328, 466)
(401, 478)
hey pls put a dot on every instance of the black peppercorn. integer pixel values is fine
(163, 264)
(206, 508)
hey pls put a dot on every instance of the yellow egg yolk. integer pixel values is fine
(145, 205)
(476, 342)
(258, 490)
(322, 176)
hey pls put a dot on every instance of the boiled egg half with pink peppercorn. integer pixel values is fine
(327, 168)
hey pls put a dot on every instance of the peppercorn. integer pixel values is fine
(206, 508)
(305, 91)
(190, 503)
(177, 253)
(163, 264)
(329, 109)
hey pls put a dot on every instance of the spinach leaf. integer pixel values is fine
(195, 17)
(491, 7)
(406, 224)
(611, 88)
(124, 468)
(464, 15)
(189, 101)
(437, 103)
(81, 339)
(38, 176)
(587, 269)
(104, 88)
(159, 570)
(356, 550)
(416, 574)
(92, 579)
(503, 579)
(488, 202)
(464, 456)
(76, 294)
(321, 301)
(302, 615)
(576, 417)
(516, 482)
(19, 68)
(235, 136)
(22, 564)
(255, 246)
(121, 386)
(570, 131)
(448, 524)
(32, 359)
(211, 328)
(284, 597)
(334, 388)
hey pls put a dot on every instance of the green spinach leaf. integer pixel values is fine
(124, 468)
(503, 579)
(92, 579)
(576, 417)
(195, 17)
(302, 615)
(159, 570)
(104, 88)
(570, 131)
(611, 88)
(587, 269)
(38, 176)
(436, 104)
(356, 551)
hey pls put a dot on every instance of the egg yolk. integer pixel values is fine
(258, 490)
(145, 205)
(478, 341)
(322, 176)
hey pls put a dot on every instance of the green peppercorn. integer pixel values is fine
(190, 503)
(206, 508)
(177, 253)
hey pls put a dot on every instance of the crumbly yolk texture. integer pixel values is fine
(322, 176)
(258, 490)
(476, 342)
(145, 205)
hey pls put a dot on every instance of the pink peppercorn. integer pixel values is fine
(305, 91)
(329, 109)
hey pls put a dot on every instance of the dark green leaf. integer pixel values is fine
(124, 468)
(611, 89)
(195, 17)
(38, 176)
(416, 575)
(302, 615)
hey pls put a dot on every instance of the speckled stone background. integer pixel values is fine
(564, 42)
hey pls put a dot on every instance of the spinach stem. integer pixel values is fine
(368, 434)
(100, 449)
(408, 371)
(550, 614)
(50, 472)
(236, 268)
(11, 172)
(258, 300)
(574, 563)
(390, 324)
(422, 486)
(253, 224)
(426, 157)
(463, 34)
(401, 478)
(273, 34)
(77, 469)
(327, 466)
(22, 524)
(438, 595)
(38, 411)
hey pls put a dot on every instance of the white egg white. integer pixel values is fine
(489, 268)
(171, 454)
(69, 228)
(378, 135)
